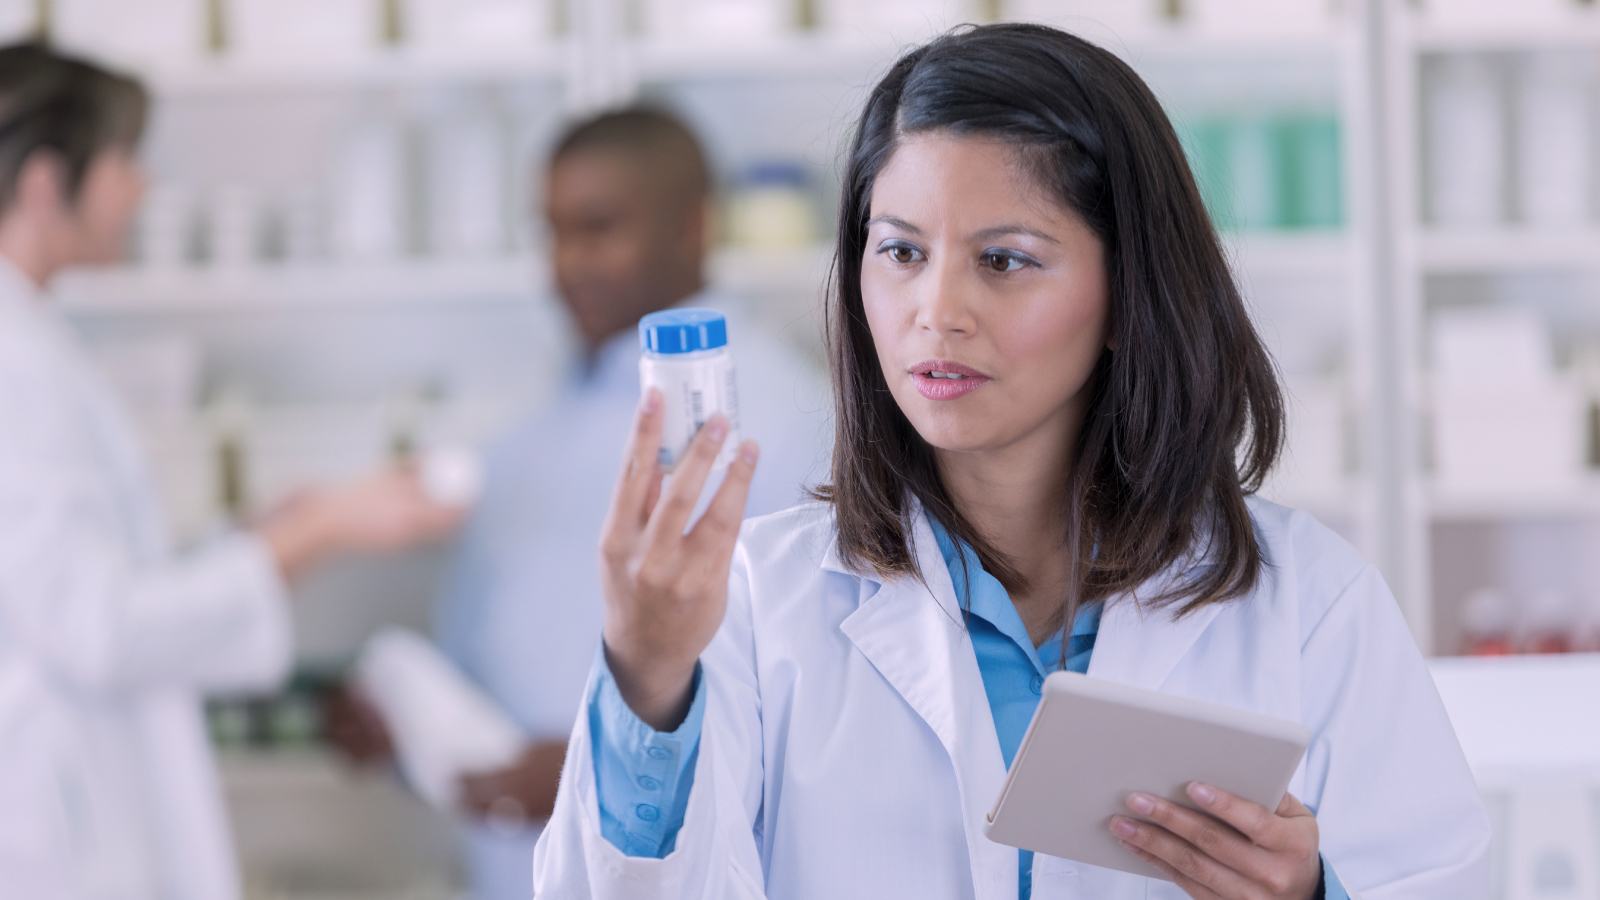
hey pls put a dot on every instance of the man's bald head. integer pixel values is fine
(628, 206)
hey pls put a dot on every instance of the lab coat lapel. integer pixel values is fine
(915, 635)
(1140, 646)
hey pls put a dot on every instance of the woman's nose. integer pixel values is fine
(945, 302)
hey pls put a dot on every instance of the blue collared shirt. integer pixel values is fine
(643, 776)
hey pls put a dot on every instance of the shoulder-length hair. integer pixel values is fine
(1186, 415)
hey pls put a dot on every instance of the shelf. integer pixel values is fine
(1508, 249)
(1548, 31)
(223, 76)
(129, 290)
(1581, 501)
(777, 56)
(1272, 253)
(314, 287)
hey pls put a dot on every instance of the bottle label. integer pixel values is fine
(693, 391)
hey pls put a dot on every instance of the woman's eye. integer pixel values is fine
(902, 254)
(1003, 262)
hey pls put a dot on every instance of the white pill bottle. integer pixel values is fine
(685, 356)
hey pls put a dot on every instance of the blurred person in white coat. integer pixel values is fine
(1053, 410)
(108, 637)
(628, 205)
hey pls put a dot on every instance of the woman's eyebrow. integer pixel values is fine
(896, 221)
(1010, 229)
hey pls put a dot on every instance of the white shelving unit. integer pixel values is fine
(1459, 540)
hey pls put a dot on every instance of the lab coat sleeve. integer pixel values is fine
(716, 856)
(1397, 807)
(74, 597)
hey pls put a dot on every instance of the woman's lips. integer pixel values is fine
(940, 380)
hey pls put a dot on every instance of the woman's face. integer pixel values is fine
(985, 296)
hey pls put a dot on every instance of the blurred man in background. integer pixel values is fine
(629, 208)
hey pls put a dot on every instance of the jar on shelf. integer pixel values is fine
(773, 209)
(1554, 113)
(1486, 622)
(1465, 143)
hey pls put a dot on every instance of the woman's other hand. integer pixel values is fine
(666, 590)
(522, 792)
(387, 510)
(1245, 853)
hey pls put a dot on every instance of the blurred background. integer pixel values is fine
(341, 258)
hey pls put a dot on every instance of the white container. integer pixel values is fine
(899, 20)
(1555, 138)
(277, 31)
(1263, 18)
(712, 19)
(685, 355)
(772, 210)
(368, 212)
(166, 227)
(444, 727)
(1099, 20)
(1508, 439)
(236, 227)
(467, 171)
(161, 32)
(465, 27)
(1466, 144)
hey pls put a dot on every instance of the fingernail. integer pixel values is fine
(652, 400)
(749, 453)
(1203, 793)
(717, 429)
(1122, 827)
(1141, 804)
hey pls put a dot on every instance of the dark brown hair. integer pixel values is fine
(1186, 416)
(68, 106)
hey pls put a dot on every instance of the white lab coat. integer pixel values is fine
(848, 748)
(107, 786)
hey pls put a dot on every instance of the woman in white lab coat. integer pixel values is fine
(107, 638)
(1049, 392)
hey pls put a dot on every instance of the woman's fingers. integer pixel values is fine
(718, 529)
(640, 477)
(1216, 839)
(680, 496)
(1258, 824)
(1178, 857)
(1188, 885)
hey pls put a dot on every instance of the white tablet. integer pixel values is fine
(1092, 743)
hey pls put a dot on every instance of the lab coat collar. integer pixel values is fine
(913, 633)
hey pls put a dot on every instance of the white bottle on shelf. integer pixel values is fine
(1465, 144)
(692, 20)
(1554, 139)
(466, 175)
(459, 28)
(235, 224)
(166, 227)
(149, 32)
(285, 31)
(1113, 20)
(367, 189)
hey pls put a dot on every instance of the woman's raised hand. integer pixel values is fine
(665, 589)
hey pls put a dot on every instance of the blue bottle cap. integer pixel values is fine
(683, 330)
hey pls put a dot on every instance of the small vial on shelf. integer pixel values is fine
(1466, 143)
(1486, 620)
(1549, 623)
(686, 357)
